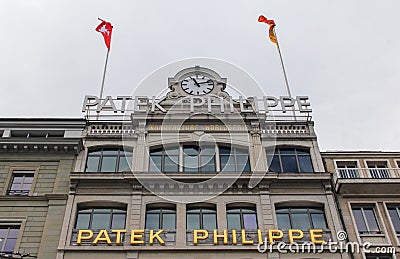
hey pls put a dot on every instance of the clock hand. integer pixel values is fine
(196, 82)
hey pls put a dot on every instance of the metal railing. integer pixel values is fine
(374, 173)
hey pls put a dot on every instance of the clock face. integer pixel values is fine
(197, 85)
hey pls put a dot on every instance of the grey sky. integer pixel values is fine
(344, 54)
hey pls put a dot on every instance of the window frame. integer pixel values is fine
(9, 179)
(121, 152)
(309, 213)
(376, 216)
(20, 222)
(191, 207)
(296, 154)
(181, 156)
(348, 172)
(397, 208)
(241, 207)
(377, 172)
(160, 213)
(92, 212)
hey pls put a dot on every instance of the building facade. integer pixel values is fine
(195, 173)
(367, 186)
(36, 158)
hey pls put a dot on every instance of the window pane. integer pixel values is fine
(287, 151)
(82, 222)
(283, 221)
(207, 151)
(209, 221)
(371, 220)
(305, 164)
(17, 179)
(109, 164)
(15, 187)
(250, 221)
(111, 152)
(92, 164)
(101, 221)
(361, 226)
(300, 221)
(208, 163)
(118, 221)
(233, 221)
(289, 164)
(191, 151)
(152, 221)
(227, 163)
(193, 221)
(274, 166)
(318, 221)
(10, 245)
(155, 164)
(168, 221)
(28, 179)
(395, 219)
(124, 163)
(191, 163)
(224, 150)
(26, 187)
(13, 233)
(243, 164)
(170, 164)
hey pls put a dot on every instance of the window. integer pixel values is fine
(196, 159)
(101, 218)
(161, 217)
(394, 213)
(366, 220)
(241, 217)
(301, 218)
(347, 169)
(234, 159)
(292, 160)
(377, 169)
(21, 183)
(199, 159)
(108, 160)
(201, 217)
(8, 237)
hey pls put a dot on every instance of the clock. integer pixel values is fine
(197, 85)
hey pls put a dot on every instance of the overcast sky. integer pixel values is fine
(344, 54)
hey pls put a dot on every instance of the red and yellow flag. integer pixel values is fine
(271, 23)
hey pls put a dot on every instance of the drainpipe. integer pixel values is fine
(335, 195)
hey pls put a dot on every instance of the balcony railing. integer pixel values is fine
(374, 173)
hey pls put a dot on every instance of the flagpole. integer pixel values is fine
(284, 70)
(104, 75)
(284, 75)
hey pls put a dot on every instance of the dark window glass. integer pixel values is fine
(241, 217)
(347, 169)
(290, 160)
(164, 160)
(234, 159)
(161, 218)
(394, 216)
(301, 218)
(21, 183)
(100, 218)
(108, 160)
(8, 238)
(201, 218)
(196, 159)
(366, 220)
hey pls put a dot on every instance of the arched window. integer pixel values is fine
(98, 218)
(201, 216)
(241, 216)
(289, 160)
(234, 159)
(303, 218)
(108, 160)
(192, 158)
(161, 216)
